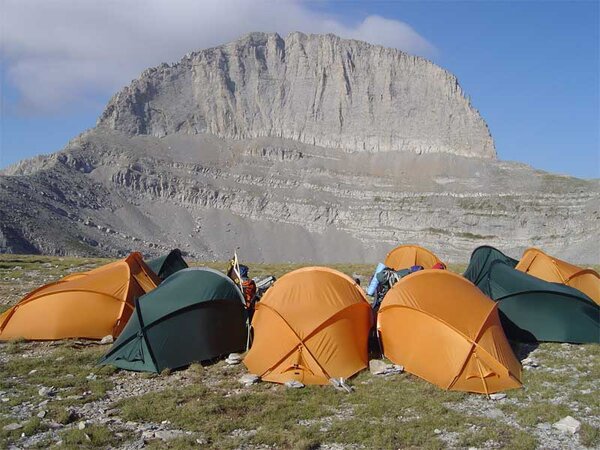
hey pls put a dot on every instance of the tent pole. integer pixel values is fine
(482, 377)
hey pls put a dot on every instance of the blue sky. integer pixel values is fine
(531, 68)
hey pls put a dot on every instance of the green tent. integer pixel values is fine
(532, 309)
(195, 315)
(481, 260)
(167, 265)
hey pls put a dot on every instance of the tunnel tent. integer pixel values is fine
(481, 261)
(168, 264)
(541, 265)
(441, 328)
(406, 256)
(196, 314)
(532, 309)
(87, 305)
(310, 326)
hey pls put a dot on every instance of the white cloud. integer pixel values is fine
(64, 53)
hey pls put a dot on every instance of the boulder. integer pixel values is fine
(108, 339)
(568, 425)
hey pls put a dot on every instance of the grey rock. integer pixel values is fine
(233, 359)
(568, 425)
(251, 157)
(81, 425)
(378, 367)
(164, 435)
(497, 396)
(47, 391)
(494, 413)
(529, 363)
(113, 412)
(41, 414)
(293, 384)
(12, 426)
(108, 339)
(249, 379)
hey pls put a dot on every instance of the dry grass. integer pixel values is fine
(400, 411)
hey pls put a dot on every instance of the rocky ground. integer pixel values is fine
(52, 394)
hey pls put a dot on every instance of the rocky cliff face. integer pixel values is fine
(315, 89)
(310, 148)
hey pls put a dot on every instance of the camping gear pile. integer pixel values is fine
(315, 325)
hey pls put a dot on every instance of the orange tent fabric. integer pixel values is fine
(541, 265)
(84, 305)
(440, 327)
(311, 325)
(406, 256)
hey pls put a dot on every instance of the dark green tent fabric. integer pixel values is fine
(195, 315)
(166, 265)
(536, 310)
(481, 260)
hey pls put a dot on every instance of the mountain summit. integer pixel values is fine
(315, 89)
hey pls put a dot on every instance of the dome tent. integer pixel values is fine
(481, 260)
(194, 315)
(441, 328)
(537, 263)
(88, 305)
(167, 265)
(532, 309)
(310, 326)
(406, 256)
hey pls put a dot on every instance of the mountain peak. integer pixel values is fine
(316, 89)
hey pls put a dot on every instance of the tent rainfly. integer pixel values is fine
(481, 260)
(196, 314)
(166, 265)
(311, 325)
(537, 263)
(440, 327)
(532, 309)
(87, 305)
(406, 256)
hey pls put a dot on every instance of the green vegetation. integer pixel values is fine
(91, 437)
(399, 411)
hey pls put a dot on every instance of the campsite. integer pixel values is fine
(299, 225)
(54, 392)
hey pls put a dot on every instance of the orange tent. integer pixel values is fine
(406, 256)
(311, 325)
(84, 305)
(440, 327)
(537, 263)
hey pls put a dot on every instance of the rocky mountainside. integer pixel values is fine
(308, 148)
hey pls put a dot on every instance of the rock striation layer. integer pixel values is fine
(308, 148)
(315, 89)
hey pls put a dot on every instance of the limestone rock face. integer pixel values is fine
(303, 149)
(315, 89)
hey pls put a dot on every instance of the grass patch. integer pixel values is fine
(400, 411)
(93, 436)
(496, 435)
(589, 436)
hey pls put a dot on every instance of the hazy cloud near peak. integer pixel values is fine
(65, 53)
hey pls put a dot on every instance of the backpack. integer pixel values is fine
(249, 291)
